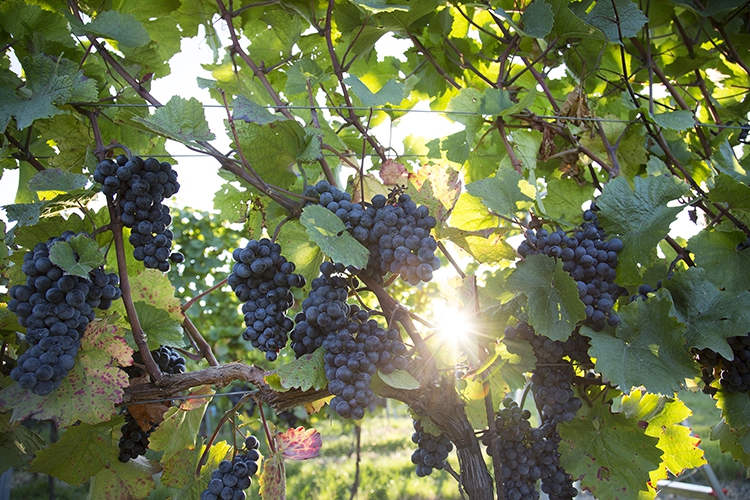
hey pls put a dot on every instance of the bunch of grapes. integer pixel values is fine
(262, 278)
(323, 311)
(230, 480)
(522, 451)
(589, 260)
(556, 482)
(395, 231)
(139, 187)
(352, 355)
(55, 308)
(432, 451)
(166, 357)
(134, 440)
(734, 374)
(553, 375)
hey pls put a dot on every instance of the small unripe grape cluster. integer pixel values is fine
(262, 278)
(139, 187)
(230, 480)
(432, 451)
(55, 308)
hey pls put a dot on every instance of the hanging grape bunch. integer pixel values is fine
(734, 374)
(166, 357)
(589, 260)
(262, 278)
(55, 308)
(394, 230)
(133, 439)
(230, 480)
(139, 187)
(432, 451)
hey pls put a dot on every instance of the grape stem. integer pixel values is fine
(200, 343)
(222, 421)
(195, 299)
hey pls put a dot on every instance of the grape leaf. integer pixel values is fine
(471, 214)
(124, 481)
(153, 287)
(179, 470)
(159, 326)
(305, 372)
(124, 28)
(663, 416)
(77, 256)
(610, 453)
(329, 233)
(272, 479)
(181, 120)
(640, 217)
(553, 305)
(181, 424)
(90, 391)
(564, 200)
(648, 349)
(498, 102)
(55, 179)
(725, 161)
(80, 453)
(505, 194)
(735, 408)
(730, 191)
(438, 188)
(711, 316)
(390, 93)
(273, 149)
(400, 379)
(246, 110)
(537, 19)
(487, 246)
(17, 444)
(393, 173)
(627, 14)
(734, 441)
(299, 444)
(299, 249)
(725, 266)
(675, 120)
(568, 25)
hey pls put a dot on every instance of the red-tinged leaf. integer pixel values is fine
(393, 173)
(299, 444)
(438, 187)
(90, 391)
(148, 415)
(153, 288)
(272, 480)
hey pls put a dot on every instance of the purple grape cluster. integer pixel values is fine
(734, 374)
(230, 480)
(139, 187)
(166, 357)
(262, 278)
(133, 440)
(589, 259)
(55, 308)
(432, 451)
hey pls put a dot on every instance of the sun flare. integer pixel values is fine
(452, 326)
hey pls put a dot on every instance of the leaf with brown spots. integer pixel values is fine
(299, 444)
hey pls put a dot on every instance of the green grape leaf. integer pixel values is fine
(82, 451)
(78, 256)
(437, 187)
(498, 102)
(675, 120)
(488, 246)
(179, 469)
(90, 391)
(306, 372)
(181, 425)
(17, 444)
(565, 198)
(568, 25)
(298, 443)
(610, 453)
(55, 179)
(182, 120)
(154, 288)
(273, 149)
(124, 28)
(627, 14)
(26, 214)
(470, 214)
(538, 19)
(391, 93)
(725, 161)
(733, 441)
(662, 417)
(711, 316)
(725, 265)
(246, 110)
(735, 408)
(124, 481)
(648, 349)
(299, 249)
(505, 194)
(329, 233)
(553, 305)
(232, 202)
(400, 379)
(730, 191)
(640, 217)
(160, 328)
